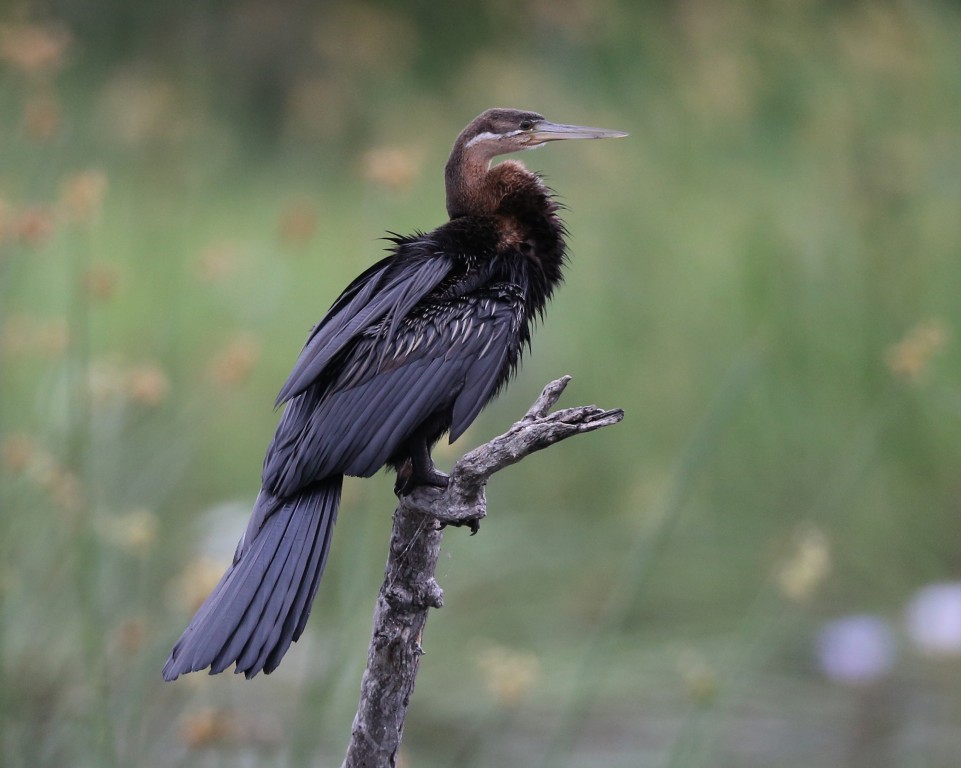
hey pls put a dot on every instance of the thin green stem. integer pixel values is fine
(769, 609)
(78, 458)
(640, 558)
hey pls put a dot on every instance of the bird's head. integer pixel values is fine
(471, 188)
(501, 131)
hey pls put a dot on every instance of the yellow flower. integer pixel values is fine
(509, 673)
(699, 676)
(808, 565)
(133, 532)
(206, 727)
(130, 635)
(33, 48)
(82, 195)
(101, 281)
(197, 581)
(908, 358)
(391, 167)
(41, 117)
(17, 452)
(35, 225)
(233, 364)
(217, 262)
(298, 223)
(147, 384)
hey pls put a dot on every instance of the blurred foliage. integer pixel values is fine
(765, 275)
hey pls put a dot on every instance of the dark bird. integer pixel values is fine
(415, 347)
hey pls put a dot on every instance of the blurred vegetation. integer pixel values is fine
(765, 275)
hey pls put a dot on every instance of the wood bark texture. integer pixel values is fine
(409, 588)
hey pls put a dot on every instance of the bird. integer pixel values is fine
(414, 348)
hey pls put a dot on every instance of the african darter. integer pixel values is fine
(415, 347)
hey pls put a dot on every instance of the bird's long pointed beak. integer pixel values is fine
(548, 131)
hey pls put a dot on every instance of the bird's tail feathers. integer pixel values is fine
(261, 604)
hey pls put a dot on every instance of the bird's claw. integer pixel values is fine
(473, 524)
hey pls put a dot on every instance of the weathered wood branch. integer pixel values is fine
(409, 588)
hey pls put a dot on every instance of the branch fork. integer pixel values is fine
(463, 502)
(409, 587)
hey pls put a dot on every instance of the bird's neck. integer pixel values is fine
(475, 188)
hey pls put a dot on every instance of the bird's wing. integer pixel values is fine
(449, 361)
(388, 289)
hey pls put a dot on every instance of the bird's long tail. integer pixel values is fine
(263, 600)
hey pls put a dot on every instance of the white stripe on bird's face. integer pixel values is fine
(488, 136)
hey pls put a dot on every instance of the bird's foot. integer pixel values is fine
(432, 476)
(418, 471)
(408, 479)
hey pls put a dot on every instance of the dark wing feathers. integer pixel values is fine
(480, 386)
(493, 336)
(389, 289)
(451, 360)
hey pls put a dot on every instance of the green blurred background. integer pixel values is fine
(765, 276)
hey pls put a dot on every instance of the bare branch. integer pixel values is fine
(463, 501)
(409, 588)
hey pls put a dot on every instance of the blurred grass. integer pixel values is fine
(765, 275)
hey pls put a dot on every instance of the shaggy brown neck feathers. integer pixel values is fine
(476, 189)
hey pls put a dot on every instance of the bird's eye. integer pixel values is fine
(526, 125)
